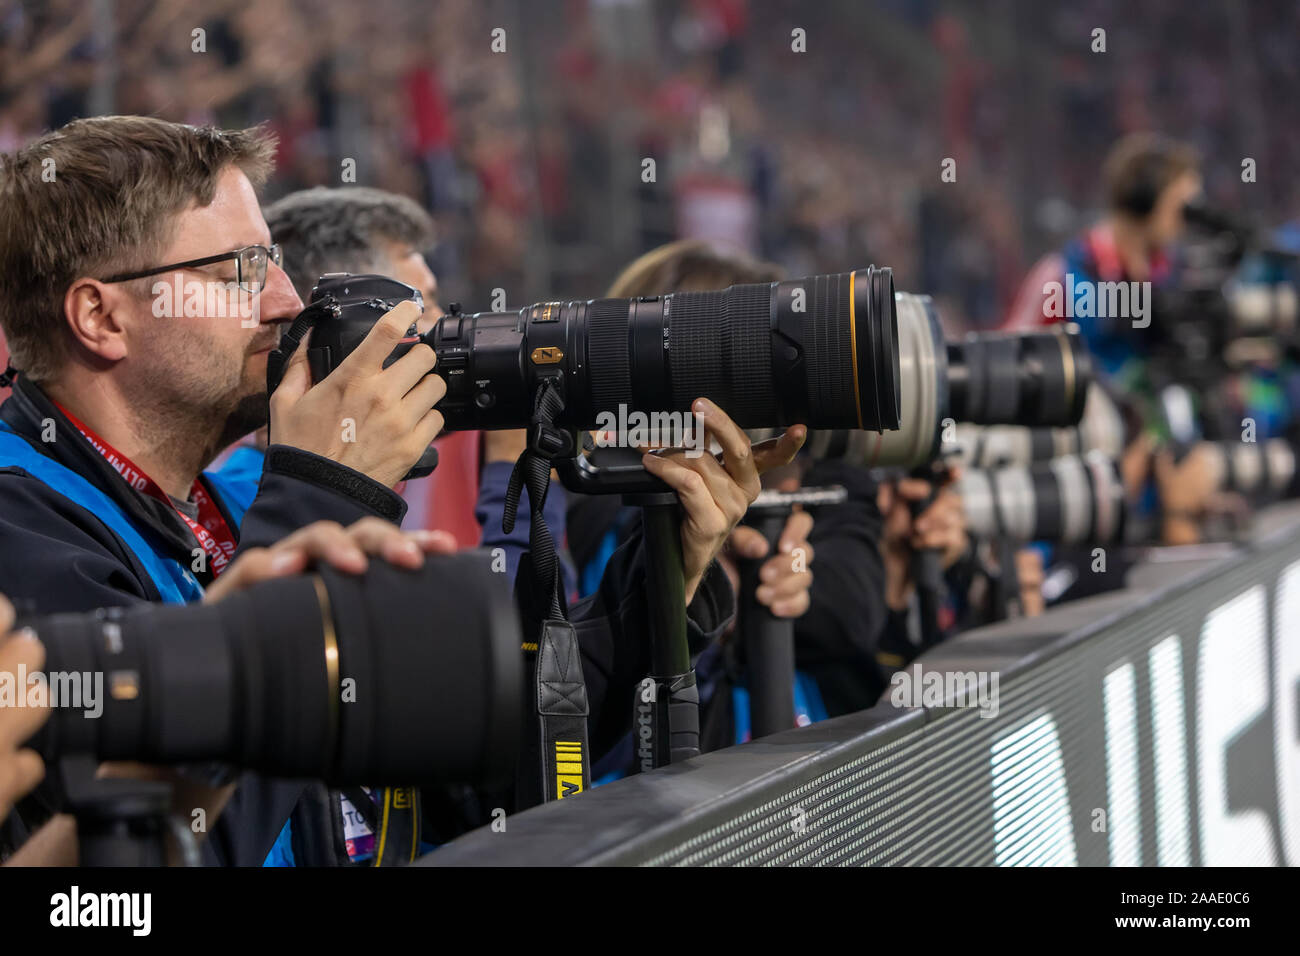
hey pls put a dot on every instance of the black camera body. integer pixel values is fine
(346, 307)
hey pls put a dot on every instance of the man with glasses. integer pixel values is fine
(125, 395)
(127, 391)
(250, 266)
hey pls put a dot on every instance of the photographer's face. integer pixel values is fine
(1166, 222)
(213, 365)
(409, 266)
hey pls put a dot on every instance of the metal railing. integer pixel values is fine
(1152, 725)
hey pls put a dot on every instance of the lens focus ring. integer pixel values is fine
(721, 349)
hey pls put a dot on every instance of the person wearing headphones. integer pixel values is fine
(1148, 180)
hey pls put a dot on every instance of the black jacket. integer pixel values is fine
(837, 639)
(56, 556)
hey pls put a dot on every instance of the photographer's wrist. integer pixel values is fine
(898, 582)
(693, 587)
(1180, 527)
(713, 606)
(330, 475)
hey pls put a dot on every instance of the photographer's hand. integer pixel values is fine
(1185, 490)
(1029, 572)
(942, 526)
(375, 420)
(21, 769)
(785, 583)
(342, 548)
(715, 494)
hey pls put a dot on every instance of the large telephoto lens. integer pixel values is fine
(995, 446)
(1070, 500)
(990, 378)
(1261, 471)
(392, 677)
(1020, 378)
(820, 351)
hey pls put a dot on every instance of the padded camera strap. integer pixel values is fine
(395, 822)
(278, 359)
(397, 836)
(555, 762)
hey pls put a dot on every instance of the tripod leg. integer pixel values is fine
(768, 643)
(674, 730)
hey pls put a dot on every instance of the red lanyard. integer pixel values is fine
(210, 530)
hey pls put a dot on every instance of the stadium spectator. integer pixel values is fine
(1148, 180)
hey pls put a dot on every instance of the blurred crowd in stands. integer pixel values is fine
(524, 127)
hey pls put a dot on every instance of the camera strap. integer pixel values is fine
(555, 762)
(397, 837)
(278, 359)
(395, 822)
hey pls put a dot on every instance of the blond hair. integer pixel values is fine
(691, 265)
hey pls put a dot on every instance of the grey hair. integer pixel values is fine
(342, 229)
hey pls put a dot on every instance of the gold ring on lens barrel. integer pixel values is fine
(853, 342)
(331, 652)
(1067, 359)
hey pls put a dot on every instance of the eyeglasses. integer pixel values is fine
(250, 266)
